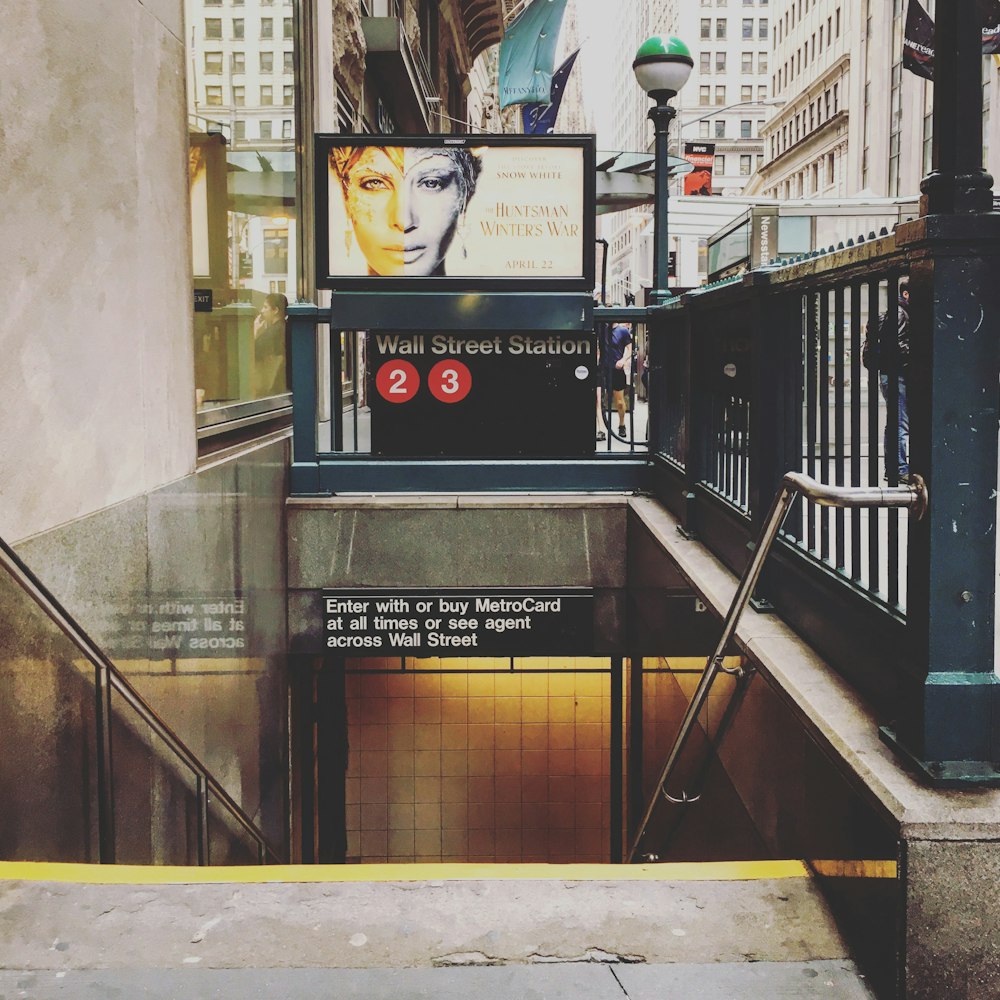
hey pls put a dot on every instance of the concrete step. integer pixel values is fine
(419, 930)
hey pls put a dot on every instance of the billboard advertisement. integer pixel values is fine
(465, 212)
(701, 156)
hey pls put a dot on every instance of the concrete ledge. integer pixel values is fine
(437, 501)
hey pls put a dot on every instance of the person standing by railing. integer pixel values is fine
(893, 363)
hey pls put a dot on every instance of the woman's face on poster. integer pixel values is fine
(404, 220)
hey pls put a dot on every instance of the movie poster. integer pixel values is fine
(456, 211)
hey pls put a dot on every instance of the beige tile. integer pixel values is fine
(427, 816)
(400, 790)
(534, 816)
(534, 685)
(482, 816)
(427, 843)
(588, 709)
(481, 710)
(427, 710)
(508, 737)
(426, 685)
(426, 763)
(508, 710)
(508, 843)
(454, 736)
(374, 737)
(589, 762)
(401, 843)
(562, 763)
(562, 709)
(427, 789)
(400, 711)
(454, 710)
(562, 736)
(374, 763)
(588, 816)
(535, 709)
(562, 684)
(535, 736)
(589, 844)
(454, 686)
(455, 844)
(454, 763)
(455, 816)
(401, 736)
(482, 843)
(562, 789)
(374, 789)
(561, 815)
(507, 685)
(507, 789)
(454, 789)
(588, 736)
(374, 711)
(400, 763)
(374, 816)
(481, 737)
(481, 763)
(591, 789)
(353, 843)
(427, 737)
(374, 686)
(535, 762)
(352, 791)
(508, 762)
(534, 788)
(353, 818)
(401, 817)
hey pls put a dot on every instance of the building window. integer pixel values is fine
(703, 130)
(762, 29)
(213, 63)
(720, 165)
(760, 161)
(213, 96)
(829, 169)
(705, 63)
(239, 97)
(288, 62)
(720, 28)
(706, 27)
(720, 129)
(761, 62)
(746, 62)
(704, 94)
(288, 95)
(239, 62)
(267, 62)
(745, 165)
(238, 27)
(240, 129)
(746, 129)
(267, 27)
(720, 95)
(815, 178)
(762, 92)
(746, 92)
(213, 27)
(837, 22)
(748, 27)
(928, 142)
(266, 129)
(287, 28)
(720, 62)
(286, 129)
(266, 95)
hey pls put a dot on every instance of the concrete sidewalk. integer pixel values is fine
(837, 980)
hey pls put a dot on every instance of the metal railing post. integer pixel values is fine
(105, 766)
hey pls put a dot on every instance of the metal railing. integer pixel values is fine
(108, 680)
(912, 497)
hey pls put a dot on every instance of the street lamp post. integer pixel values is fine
(662, 66)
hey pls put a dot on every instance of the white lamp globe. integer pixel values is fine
(662, 66)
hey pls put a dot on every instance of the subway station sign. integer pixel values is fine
(458, 622)
(479, 394)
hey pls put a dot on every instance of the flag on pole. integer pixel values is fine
(918, 41)
(528, 52)
(540, 119)
(918, 36)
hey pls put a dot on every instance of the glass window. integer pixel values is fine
(704, 94)
(762, 92)
(720, 129)
(762, 29)
(706, 28)
(287, 28)
(745, 165)
(705, 63)
(746, 92)
(720, 165)
(720, 95)
(748, 27)
(720, 28)
(761, 62)
(746, 62)
(746, 130)
(720, 62)
(244, 226)
(703, 130)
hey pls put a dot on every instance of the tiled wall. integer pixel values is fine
(466, 760)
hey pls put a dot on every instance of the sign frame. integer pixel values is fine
(583, 281)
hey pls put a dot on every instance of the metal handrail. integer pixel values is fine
(108, 678)
(913, 496)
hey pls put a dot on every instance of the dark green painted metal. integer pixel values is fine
(454, 311)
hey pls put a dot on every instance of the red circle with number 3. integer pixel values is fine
(397, 381)
(449, 381)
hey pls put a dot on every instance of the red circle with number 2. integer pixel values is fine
(397, 381)
(449, 381)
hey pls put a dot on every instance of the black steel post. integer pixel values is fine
(661, 115)
(105, 766)
(617, 761)
(950, 705)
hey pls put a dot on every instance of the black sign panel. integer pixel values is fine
(459, 622)
(482, 394)
(203, 300)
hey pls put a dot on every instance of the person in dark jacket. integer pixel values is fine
(893, 367)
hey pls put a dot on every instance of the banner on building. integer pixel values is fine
(470, 213)
(918, 36)
(701, 156)
(540, 119)
(528, 53)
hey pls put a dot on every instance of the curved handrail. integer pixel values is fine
(109, 676)
(793, 484)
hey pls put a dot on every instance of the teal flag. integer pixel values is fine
(528, 53)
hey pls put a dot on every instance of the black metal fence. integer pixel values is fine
(761, 375)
